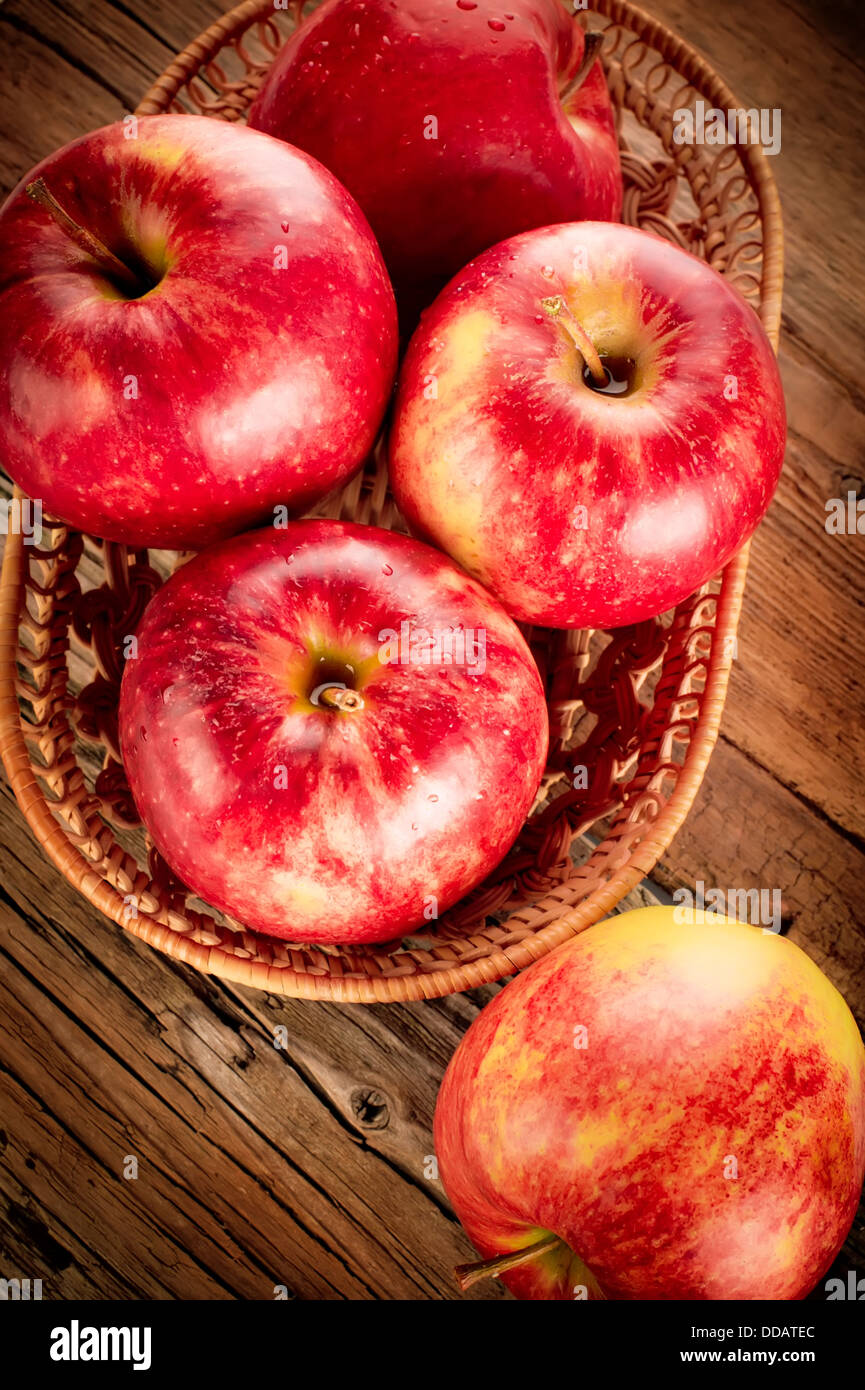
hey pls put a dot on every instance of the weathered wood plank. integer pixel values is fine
(805, 592)
(34, 79)
(264, 1163)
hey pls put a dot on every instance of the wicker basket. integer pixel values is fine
(639, 708)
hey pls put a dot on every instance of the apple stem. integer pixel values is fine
(590, 52)
(40, 193)
(557, 308)
(337, 697)
(466, 1275)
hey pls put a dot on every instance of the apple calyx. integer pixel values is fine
(469, 1274)
(590, 52)
(39, 191)
(341, 698)
(556, 307)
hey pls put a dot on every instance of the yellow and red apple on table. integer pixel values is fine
(198, 331)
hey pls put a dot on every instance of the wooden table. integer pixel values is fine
(311, 1167)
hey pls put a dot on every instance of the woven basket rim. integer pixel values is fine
(499, 961)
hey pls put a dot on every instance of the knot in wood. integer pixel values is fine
(370, 1107)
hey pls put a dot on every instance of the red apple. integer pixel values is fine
(237, 356)
(454, 123)
(331, 732)
(676, 1107)
(576, 506)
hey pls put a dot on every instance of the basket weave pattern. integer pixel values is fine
(638, 708)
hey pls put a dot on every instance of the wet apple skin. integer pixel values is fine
(314, 824)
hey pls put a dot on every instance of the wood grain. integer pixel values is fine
(308, 1166)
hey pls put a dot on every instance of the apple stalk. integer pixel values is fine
(39, 191)
(590, 53)
(557, 309)
(338, 697)
(469, 1274)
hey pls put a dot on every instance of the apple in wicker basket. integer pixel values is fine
(330, 731)
(195, 326)
(454, 123)
(660, 1109)
(591, 421)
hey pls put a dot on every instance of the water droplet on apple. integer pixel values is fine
(547, 272)
(497, 25)
(387, 569)
(466, 5)
(539, 318)
(432, 797)
(414, 825)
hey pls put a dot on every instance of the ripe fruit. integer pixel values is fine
(682, 1104)
(330, 731)
(454, 123)
(579, 507)
(238, 356)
